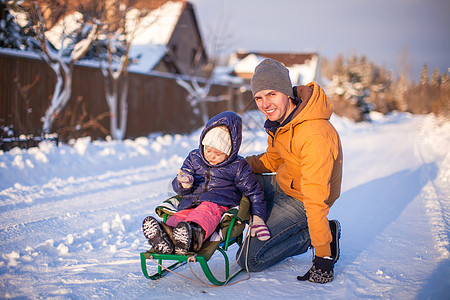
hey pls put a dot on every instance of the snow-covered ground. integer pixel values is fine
(70, 217)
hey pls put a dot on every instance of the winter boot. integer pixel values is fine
(169, 231)
(156, 236)
(320, 272)
(198, 236)
(335, 228)
(182, 235)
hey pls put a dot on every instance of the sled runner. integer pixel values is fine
(232, 227)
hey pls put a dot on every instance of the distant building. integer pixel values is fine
(303, 67)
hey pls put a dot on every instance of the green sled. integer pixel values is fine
(232, 225)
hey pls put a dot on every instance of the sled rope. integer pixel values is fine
(200, 281)
(171, 271)
(192, 259)
(246, 246)
(247, 237)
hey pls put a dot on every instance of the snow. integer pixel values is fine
(145, 57)
(19, 53)
(154, 29)
(149, 42)
(70, 217)
(300, 74)
(57, 35)
(157, 27)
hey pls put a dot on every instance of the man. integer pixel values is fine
(304, 150)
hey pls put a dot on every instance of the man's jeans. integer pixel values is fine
(288, 228)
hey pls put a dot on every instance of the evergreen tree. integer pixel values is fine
(339, 65)
(11, 35)
(435, 78)
(424, 79)
(445, 82)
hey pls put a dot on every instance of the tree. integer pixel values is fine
(424, 79)
(122, 21)
(401, 86)
(61, 57)
(198, 95)
(435, 78)
(13, 35)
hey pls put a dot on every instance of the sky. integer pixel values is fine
(383, 30)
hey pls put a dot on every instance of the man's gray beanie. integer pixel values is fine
(271, 75)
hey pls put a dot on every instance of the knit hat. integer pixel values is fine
(271, 75)
(218, 138)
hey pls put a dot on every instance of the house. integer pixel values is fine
(171, 42)
(303, 67)
(167, 39)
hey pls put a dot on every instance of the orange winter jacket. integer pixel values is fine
(306, 154)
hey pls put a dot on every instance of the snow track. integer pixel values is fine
(70, 218)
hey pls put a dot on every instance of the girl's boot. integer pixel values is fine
(198, 236)
(182, 235)
(156, 236)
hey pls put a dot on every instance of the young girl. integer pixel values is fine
(212, 179)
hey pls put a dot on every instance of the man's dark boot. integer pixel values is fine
(335, 228)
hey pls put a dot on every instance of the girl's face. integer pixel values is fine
(214, 156)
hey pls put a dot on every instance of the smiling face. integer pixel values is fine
(275, 105)
(214, 156)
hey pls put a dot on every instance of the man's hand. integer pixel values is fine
(320, 272)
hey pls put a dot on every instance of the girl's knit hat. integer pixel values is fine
(218, 138)
(271, 75)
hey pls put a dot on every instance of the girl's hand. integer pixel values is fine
(186, 180)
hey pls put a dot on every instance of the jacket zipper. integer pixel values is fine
(273, 137)
(196, 202)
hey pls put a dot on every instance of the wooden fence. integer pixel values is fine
(156, 103)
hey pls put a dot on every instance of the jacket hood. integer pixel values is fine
(317, 107)
(234, 124)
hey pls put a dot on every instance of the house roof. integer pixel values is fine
(303, 67)
(150, 38)
(157, 27)
(53, 12)
(288, 59)
(154, 32)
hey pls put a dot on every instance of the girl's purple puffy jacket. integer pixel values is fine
(223, 183)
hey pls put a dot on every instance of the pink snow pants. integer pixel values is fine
(207, 215)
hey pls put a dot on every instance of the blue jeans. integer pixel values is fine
(288, 228)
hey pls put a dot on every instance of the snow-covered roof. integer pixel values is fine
(222, 74)
(304, 73)
(64, 27)
(157, 27)
(150, 38)
(153, 34)
(145, 57)
(248, 63)
(300, 73)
